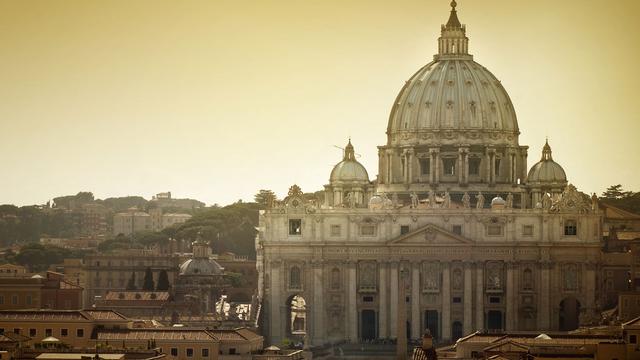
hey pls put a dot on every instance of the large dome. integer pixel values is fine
(202, 267)
(452, 98)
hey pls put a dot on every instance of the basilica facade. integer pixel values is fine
(456, 233)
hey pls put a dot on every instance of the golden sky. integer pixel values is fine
(215, 99)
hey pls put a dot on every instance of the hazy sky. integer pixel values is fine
(216, 99)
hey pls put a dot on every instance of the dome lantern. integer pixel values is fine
(453, 39)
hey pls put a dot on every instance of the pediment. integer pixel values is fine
(430, 234)
(508, 346)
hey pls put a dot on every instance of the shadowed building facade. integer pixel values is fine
(476, 239)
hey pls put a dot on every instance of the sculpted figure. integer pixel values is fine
(466, 200)
(446, 203)
(509, 201)
(546, 201)
(594, 202)
(350, 200)
(432, 199)
(479, 200)
(414, 200)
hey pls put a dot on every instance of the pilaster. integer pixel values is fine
(468, 300)
(446, 302)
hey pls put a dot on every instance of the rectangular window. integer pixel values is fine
(367, 299)
(64, 332)
(189, 352)
(457, 300)
(497, 166)
(174, 351)
(205, 352)
(295, 227)
(527, 230)
(456, 229)
(367, 230)
(33, 332)
(633, 339)
(404, 229)
(570, 228)
(232, 351)
(1, 300)
(79, 333)
(425, 166)
(336, 230)
(494, 300)
(449, 166)
(14, 300)
(494, 230)
(16, 331)
(474, 166)
(28, 300)
(48, 332)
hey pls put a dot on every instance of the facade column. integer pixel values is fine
(277, 319)
(352, 311)
(446, 302)
(389, 167)
(415, 301)
(468, 300)
(460, 166)
(337, 196)
(543, 310)
(318, 305)
(381, 165)
(510, 316)
(382, 311)
(480, 296)
(393, 308)
(410, 160)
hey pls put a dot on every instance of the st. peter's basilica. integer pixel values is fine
(456, 233)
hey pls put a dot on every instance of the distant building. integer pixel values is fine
(11, 270)
(135, 303)
(165, 200)
(37, 292)
(130, 222)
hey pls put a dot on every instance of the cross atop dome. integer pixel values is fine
(453, 41)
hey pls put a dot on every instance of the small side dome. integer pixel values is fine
(201, 267)
(498, 201)
(547, 171)
(349, 169)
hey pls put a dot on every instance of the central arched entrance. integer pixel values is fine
(369, 325)
(569, 316)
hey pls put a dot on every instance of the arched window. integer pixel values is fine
(335, 279)
(294, 278)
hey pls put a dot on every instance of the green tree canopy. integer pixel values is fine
(163, 281)
(148, 284)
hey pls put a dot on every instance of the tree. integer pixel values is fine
(264, 197)
(616, 192)
(148, 284)
(131, 284)
(163, 281)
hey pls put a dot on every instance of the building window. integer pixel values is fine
(404, 229)
(1, 300)
(425, 166)
(474, 166)
(33, 332)
(457, 300)
(79, 333)
(449, 166)
(456, 229)
(494, 230)
(16, 331)
(336, 230)
(205, 352)
(189, 352)
(367, 230)
(232, 351)
(295, 227)
(527, 230)
(28, 299)
(48, 332)
(294, 278)
(367, 299)
(174, 351)
(14, 300)
(64, 332)
(494, 300)
(497, 166)
(570, 228)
